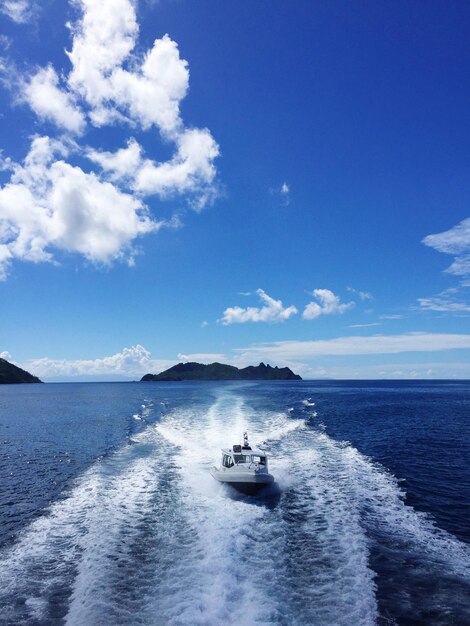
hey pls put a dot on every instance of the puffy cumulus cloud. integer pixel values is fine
(121, 165)
(456, 242)
(190, 171)
(49, 102)
(51, 204)
(271, 311)
(328, 304)
(20, 11)
(149, 92)
(130, 362)
(102, 40)
(5, 355)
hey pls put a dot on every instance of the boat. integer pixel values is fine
(244, 468)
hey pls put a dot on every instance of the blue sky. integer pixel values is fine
(235, 181)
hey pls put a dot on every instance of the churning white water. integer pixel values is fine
(146, 536)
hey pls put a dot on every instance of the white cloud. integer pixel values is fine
(52, 204)
(272, 311)
(443, 303)
(203, 357)
(455, 241)
(149, 93)
(204, 324)
(190, 170)
(120, 165)
(364, 325)
(282, 193)
(330, 304)
(389, 371)
(391, 316)
(5, 355)
(20, 11)
(134, 362)
(129, 363)
(49, 102)
(5, 43)
(283, 351)
(363, 295)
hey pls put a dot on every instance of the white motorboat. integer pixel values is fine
(243, 467)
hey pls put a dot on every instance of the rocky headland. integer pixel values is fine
(219, 371)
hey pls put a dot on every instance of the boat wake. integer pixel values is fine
(147, 536)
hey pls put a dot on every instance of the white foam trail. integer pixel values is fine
(81, 539)
(382, 505)
(148, 537)
(256, 566)
(225, 584)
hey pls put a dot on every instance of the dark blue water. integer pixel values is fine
(108, 513)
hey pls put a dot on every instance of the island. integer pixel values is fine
(11, 374)
(219, 371)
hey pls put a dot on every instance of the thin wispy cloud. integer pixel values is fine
(364, 325)
(50, 203)
(444, 302)
(282, 193)
(327, 304)
(362, 295)
(5, 43)
(391, 316)
(271, 311)
(20, 11)
(456, 242)
(202, 357)
(281, 351)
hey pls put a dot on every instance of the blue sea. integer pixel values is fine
(109, 515)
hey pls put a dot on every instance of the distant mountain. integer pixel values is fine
(219, 371)
(10, 374)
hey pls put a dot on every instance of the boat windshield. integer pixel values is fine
(241, 458)
(259, 459)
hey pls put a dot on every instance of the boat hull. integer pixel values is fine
(246, 482)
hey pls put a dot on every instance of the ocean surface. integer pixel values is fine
(109, 516)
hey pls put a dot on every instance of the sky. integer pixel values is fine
(277, 181)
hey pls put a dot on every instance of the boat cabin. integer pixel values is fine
(244, 456)
(244, 468)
